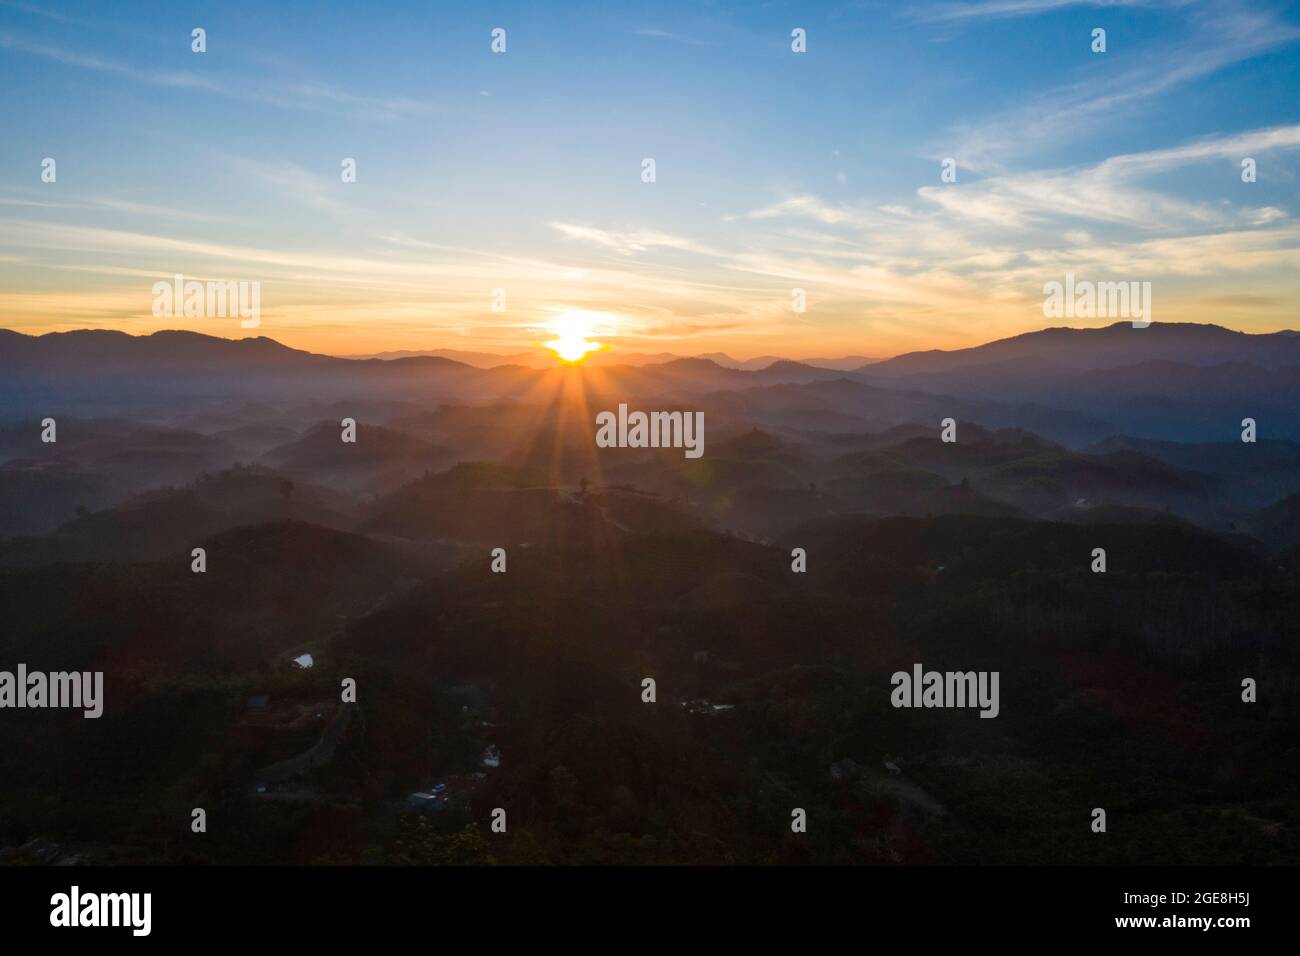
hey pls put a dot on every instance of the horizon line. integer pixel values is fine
(539, 349)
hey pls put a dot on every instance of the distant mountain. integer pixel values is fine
(94, 464)
(864, 553)
(1115, 345)
(1244, 475)
(845, 363)
(477, 359)
(267, 588)
(99, 352)
(36, 496)
(1169, 381)
(846, 405)
(1008, 471)
(89, 360)
(168, 522)
(757, 364)
(485, 503)
(1279, 523)
(380, 459)
(544, 358)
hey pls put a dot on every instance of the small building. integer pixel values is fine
(424, 801)
(706, 708)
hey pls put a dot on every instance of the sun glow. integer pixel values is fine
(571, 331)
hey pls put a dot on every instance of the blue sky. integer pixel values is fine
(521, 171)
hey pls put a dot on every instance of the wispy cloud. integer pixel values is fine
(36, 11)
(293, 182)
(116, 204)
(626, 243)
(1069, 112)
(300, 288)
(980, 251)
(299, 96)
(1109, 192)
(995, 9)
(174, 78)
(971, 256)
(804, 205)
(659, 34)
(444, 213)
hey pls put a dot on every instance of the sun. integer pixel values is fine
(571, 330)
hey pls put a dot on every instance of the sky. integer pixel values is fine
(522, 171)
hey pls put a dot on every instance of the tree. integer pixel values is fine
(418, 844)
